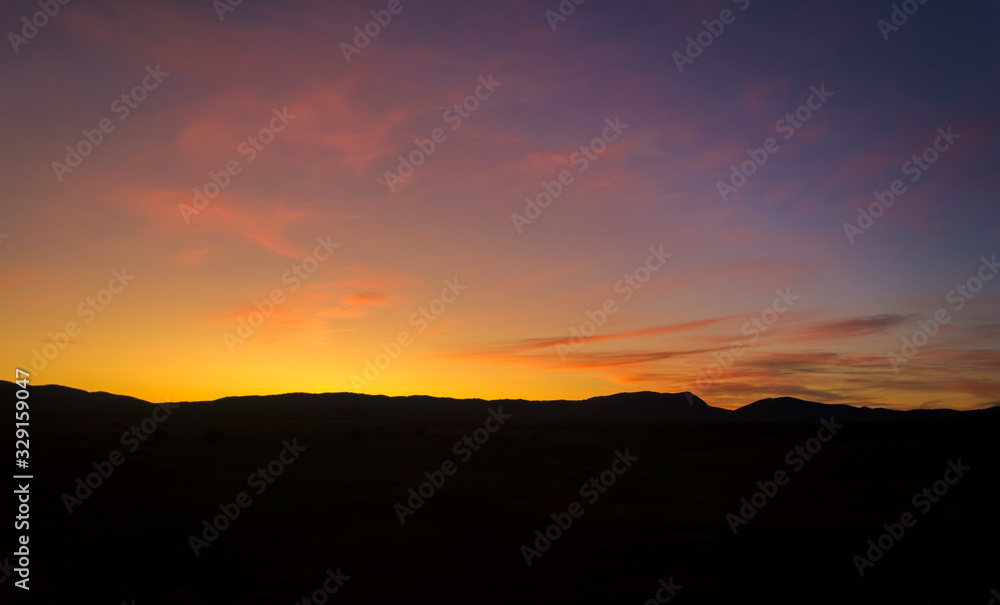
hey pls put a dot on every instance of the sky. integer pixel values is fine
(520, 199)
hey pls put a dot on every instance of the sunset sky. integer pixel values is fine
(443, 244)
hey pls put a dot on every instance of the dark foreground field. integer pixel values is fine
(665, 516)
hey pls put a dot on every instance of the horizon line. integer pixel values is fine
(985, 406)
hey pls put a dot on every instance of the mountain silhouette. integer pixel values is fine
(625, 408)
(695, 466)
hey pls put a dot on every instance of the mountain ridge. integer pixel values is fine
(624, 408)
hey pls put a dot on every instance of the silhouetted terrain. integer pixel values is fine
(620, 408)
(664, 517)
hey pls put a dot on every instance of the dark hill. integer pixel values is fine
(624, 408)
